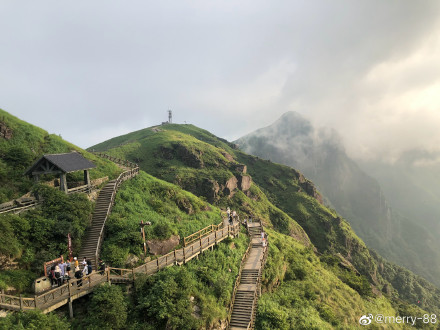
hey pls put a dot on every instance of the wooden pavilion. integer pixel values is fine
(61, 164)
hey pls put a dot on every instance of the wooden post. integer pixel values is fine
(132, 271)
(21, 303)
(86, 178)
(70, 307)
(143, 224)
(63, 182)
(35, 301)
(108, 276)
(70, 289)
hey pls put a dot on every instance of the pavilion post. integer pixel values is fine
(86, 178)
(63, 182)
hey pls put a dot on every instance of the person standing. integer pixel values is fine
(78, 276)
(76, 263)
(62, 271)
(58, 274)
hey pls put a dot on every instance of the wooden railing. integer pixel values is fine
(237, 281)
(257, 292)
(258, 288)
(121, 178)
(17, 206)
(193, 237)
(116, 160)
(75, 288)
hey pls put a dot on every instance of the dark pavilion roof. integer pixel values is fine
(69, 162)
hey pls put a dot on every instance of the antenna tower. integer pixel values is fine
(170, 116)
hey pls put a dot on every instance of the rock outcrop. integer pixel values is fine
(158, 247)
(245, 182)
(309, 188)
(5, 131)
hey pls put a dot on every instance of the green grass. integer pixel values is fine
(303, 292)
(278, 194)
(40, 235)
(29, 143)
(171, 210)
(193, 296)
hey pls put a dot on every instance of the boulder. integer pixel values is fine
(131, 260)
(158, 247)
(230, 186)
(245, 182)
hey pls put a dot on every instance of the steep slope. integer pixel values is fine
(24, 144)
(412, 186)
(213, 169)
(302, 290)
(33, 237)
(293, 141)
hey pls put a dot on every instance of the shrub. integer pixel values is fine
(108, 308)
(32, 320)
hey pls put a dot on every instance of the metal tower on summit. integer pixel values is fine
(170, 117)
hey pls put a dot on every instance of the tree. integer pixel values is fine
(108, 308)
(32, 320)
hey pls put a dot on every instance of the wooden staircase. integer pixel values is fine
(247, 287)
(242, 312)
(95, 234)
(102, 210)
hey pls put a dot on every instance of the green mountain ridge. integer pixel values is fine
(319, 153)
(197, 171)
(319, 274)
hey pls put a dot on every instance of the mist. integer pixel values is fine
(93, 70)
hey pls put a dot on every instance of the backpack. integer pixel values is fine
(89, 269)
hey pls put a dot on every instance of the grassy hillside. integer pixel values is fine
(38, 235)
(300, 289)
(199, 162)
(319, 154)
(29, 143)
(196, 175)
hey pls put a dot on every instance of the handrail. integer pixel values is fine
(121, 178)
(119, 161)
(257, 291)
(71, 291)
(237, 281)
(193, 237)
(258, 286)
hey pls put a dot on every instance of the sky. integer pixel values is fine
(92, 70)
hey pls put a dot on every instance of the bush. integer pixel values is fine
(108, 308)
(162, 230)
(32, 320)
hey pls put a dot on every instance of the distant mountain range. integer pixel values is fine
(319, 153)
(412, 185)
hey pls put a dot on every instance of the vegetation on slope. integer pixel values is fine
(40, 235)
(171, 211)
(274, 187)
(29, 143)
(308, 292)
(408, 240)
